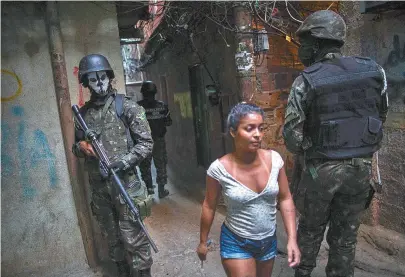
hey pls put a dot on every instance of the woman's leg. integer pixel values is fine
(264, 268)
(239, 267)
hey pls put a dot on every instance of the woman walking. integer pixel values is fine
(252, 180)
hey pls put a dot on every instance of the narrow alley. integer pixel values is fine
(322, 81)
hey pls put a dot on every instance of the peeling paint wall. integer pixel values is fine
(40, 233)
(90, 28)
(382, 37)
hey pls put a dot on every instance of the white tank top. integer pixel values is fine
(250, 214)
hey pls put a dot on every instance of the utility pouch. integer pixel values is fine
(372, 132)
(329, 135)
(139, 196)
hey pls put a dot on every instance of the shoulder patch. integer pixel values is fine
(141, 116)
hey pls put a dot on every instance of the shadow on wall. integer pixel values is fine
(395, 68)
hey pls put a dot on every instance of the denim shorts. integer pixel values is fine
(233, 246)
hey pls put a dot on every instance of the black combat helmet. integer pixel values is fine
(94, 63)
(148, 87)
(324, 24)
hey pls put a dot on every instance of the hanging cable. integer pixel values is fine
(286, 5)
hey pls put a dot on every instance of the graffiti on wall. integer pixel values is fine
(18, 90)
(184, 101)
(33, 149)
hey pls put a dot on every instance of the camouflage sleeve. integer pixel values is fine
(293, 131)
(168, 119)
(140, 132)
(79, 136)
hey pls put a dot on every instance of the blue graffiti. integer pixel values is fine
(42, 153)
(31, 154)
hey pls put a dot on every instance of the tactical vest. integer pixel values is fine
(343, 120)
(156, 113)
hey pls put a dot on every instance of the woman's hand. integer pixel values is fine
(294, 254)
(202, 251)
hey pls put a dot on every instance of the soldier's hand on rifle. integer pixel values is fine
(87, 148)
(119, 165)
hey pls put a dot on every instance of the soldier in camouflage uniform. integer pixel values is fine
(334, 118)
(159, 118)
(127, 140)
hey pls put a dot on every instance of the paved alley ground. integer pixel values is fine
(174, 225)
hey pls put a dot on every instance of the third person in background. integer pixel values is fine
(334, 119)
(158, 116)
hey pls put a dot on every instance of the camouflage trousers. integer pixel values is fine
(338, 196)
(126, 241)
(159, 156)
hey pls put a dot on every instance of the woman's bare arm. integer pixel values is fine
(287, 209)
(213, 189)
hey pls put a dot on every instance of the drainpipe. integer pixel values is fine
(244, 58)
(66, 122)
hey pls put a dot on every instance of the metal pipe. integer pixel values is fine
(66, 121)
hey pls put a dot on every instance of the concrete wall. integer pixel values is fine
(40, 232)
(38, 218)
(382, 37)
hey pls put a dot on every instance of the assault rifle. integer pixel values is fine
(105, 164)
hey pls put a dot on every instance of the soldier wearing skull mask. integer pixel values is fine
(127, 140)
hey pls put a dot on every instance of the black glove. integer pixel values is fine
(118, 165)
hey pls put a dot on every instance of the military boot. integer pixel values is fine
(151, 190)
(123, 269)
(142, 273)
(162, 191)
(145, 273)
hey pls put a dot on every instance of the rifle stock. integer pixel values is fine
(105, 162)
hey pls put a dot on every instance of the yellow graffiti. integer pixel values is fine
(184, 101)
(19, 89)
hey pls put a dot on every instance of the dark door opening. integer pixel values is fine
(200, 115)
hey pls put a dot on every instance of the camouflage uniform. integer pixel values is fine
(334, 191)
(158, 115)
(125, 238)
(338, 195)
(159, 156)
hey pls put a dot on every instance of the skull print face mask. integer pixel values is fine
(99, 82)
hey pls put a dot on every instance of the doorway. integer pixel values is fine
(200, 115)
